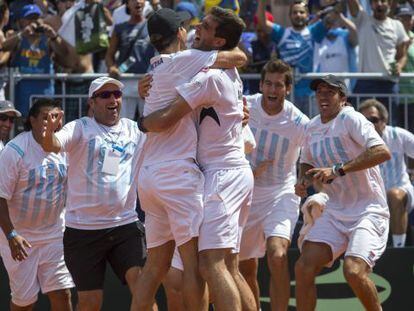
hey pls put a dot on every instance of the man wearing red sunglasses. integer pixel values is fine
(101, 223)
(7, 116)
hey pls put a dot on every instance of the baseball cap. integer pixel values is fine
(404, 9)
(100, 82)
(187, 6)
(30, 9)
(332, 81)
(165, 22)
(7, 106)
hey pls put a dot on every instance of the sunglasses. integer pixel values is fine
(5, 117)
(107, 94)
(374, 120)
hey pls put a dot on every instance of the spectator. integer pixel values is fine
(4, 56)
(336, 52)
(400, 191)
(404, 14)
(131, 41)
(121, 13)
(7, 116)
(192, 9)
(295, 45)
(382, 47)
(32, 49)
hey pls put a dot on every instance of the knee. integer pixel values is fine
(60, 296)
(89, 301)
(209, 267)
(395, 195)
(354, 273)
(304, 270)
(277, 260)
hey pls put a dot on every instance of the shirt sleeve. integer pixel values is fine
(10, 160)
(193, 61)
(407, 141)
(203, 90)
(361, 18)
(70, 135)
(318, 31)
(401, 33)
(362, 131)
(277, 32)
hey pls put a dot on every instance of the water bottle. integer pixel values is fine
(126, 64)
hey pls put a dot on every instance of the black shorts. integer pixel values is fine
(86, 253)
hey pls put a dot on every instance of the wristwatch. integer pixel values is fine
(338, 169)
(11, 235)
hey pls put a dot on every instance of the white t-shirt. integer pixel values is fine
(217, 98)
(401, 144)
(341, 140)
(1, 145)
(378, 41)
(278, 139)
(34, 184)
(168, 71)
(97, 200)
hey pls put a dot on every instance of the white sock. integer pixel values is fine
(398, 240)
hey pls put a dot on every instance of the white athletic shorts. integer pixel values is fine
(171, 195)
(273, 214)
(44, 269)
(176, 261)
(365, 238)
(227, 200)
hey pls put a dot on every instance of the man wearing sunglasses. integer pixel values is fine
(400, 191)
(8, 115)
(101, 223)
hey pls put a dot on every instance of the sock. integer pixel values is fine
(398, 240)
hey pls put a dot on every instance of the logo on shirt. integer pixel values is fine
(209, 112)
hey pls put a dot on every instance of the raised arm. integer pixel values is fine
(348, 24)
(354, 7)
(262, 21)
(50, 143)
(230, 59)
(163, 119)
(110, 56)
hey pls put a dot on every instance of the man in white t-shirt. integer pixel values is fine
(382, 46)
(7, 116)
(221, 157)
(400, 191)
(279, 129)
(173, 207)
(341, 152)
(32, 200)
(101, 222)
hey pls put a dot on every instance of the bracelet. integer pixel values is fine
(11, 235)
(338, 169)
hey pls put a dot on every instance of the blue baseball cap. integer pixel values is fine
(188, 7)
(30, 9)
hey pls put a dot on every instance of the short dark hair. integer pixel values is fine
(372, 102)
(230, 26)
(160, 42)
(37, 106)
(301, 2)
(277, 66)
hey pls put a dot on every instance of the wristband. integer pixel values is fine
(11, 235)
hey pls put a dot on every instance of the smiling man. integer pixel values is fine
(8, 115)
(342, 151)
(101, 222)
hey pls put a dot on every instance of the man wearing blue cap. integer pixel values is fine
(32, 47)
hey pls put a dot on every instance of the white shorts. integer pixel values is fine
(44, 269)
(171, 195)
(365, 238)
(176, 261)
(227, 200)
(271, 215)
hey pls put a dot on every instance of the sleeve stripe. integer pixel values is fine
(17, 148)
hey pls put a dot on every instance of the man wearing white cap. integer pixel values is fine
(101, 222)
(7, 116)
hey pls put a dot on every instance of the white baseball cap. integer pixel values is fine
(100, 82)
(7, 106)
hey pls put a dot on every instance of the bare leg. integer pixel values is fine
(249, 270)
(193, 285)
(90, 300)
(397, 200)
(246, 295)
(155, 269)
(313, 258)
(172, 285)
(60, 300)
(220, 282)
(13, 307)
(277, 262)
(356, 272)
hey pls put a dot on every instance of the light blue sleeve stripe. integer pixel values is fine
(26, 194)
(17, 148)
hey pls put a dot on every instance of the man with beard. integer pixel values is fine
(295, 44)
(382, 46)
(101, 222)
(8, 115)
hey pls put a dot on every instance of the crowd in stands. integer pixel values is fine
(110, 36)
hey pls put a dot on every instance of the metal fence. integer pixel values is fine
(400, 106)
